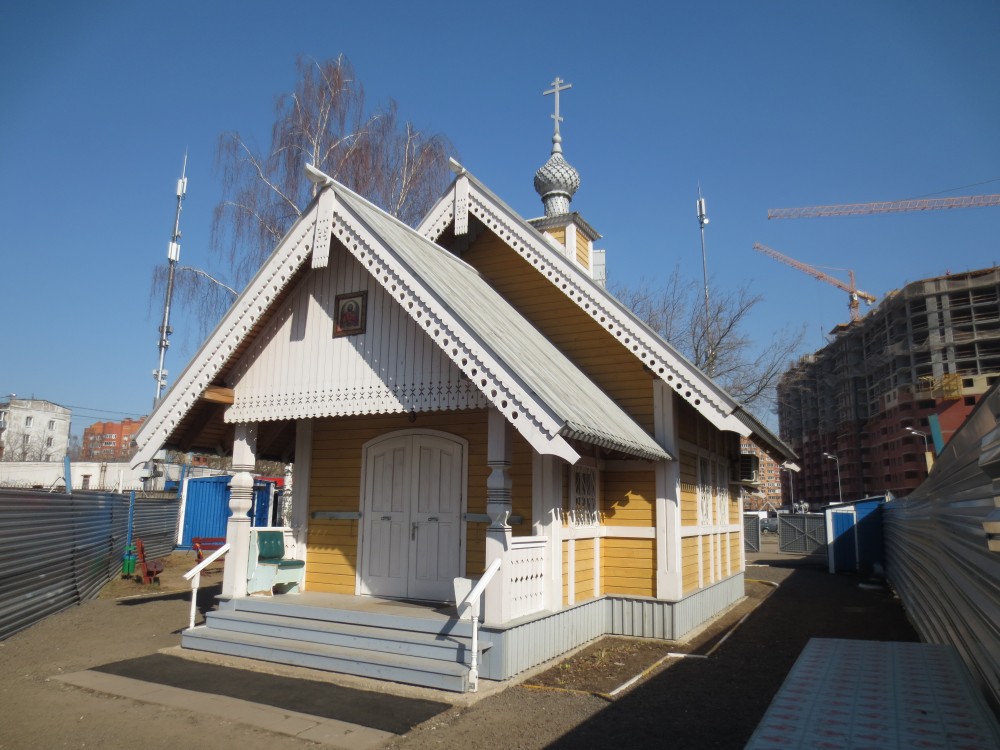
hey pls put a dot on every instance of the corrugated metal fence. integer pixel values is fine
(937, 555)
(59, 550)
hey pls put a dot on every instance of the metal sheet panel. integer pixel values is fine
(937, 552)
(206, 508)
(59, 550)
(528, 644)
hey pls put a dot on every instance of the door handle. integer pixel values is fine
(413, 531)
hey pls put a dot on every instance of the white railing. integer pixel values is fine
(473, 602)
(524, 575)
(194, 575)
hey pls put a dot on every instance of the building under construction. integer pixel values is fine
(920, 360)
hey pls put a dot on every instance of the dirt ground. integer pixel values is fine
(712, 702)
(603, 667)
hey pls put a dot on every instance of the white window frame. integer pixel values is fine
(584, 494)
(28, 421)
(704, 491)
(722, 491)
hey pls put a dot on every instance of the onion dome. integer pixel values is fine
(556, 181)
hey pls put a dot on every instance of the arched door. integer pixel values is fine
(414, 489)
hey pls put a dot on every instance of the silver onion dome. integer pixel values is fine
(556, 181)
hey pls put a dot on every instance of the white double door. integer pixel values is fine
(412, 519)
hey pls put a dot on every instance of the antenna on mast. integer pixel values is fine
(703, 222)
(173, 256)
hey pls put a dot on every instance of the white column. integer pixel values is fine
(234, 579)
(498, 508)
(669, 574)
(546, 508)
(300, 495)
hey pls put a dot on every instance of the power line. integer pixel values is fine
(960, 187)
(105, 411)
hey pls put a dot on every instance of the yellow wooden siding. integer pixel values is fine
(628, 566)
(582, 250)
(335, 485)
(689, 563)
(600, 355)
(689, 488)
(583, 576)
(332, 551)
(628, 498)
(735, 548)
(558, 234)
(694, 428)
(520, 474)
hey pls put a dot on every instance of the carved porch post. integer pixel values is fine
(669, 568)
(498, 508)
(234, 580)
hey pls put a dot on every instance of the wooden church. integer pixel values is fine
(473, 420)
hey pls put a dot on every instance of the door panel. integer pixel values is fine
(435, 551)
(386, 522)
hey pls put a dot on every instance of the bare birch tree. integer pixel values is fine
(720, 344)
(325, 122)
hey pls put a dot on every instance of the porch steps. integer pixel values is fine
(431, 652)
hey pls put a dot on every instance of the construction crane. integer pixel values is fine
(847, 209)
(851, 288)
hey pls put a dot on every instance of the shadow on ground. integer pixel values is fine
(718, 702)
(388, 713)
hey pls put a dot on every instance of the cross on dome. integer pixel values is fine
(556, 181)
(556, 88)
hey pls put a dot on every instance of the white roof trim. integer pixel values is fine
(263, 289)
(679, 374)
(330, 215)
(532, 418)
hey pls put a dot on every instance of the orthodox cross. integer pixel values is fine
(556, 88)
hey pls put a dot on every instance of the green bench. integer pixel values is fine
(269, 568)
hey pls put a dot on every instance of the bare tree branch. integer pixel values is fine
(719, 344)
(325, 122)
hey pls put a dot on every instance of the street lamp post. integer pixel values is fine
(921, 434)
(928, 458)
(791, 484)
(840, 490)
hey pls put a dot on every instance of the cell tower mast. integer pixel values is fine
(173, 256)
(703, 222)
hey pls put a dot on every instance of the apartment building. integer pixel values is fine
(860, 411)
(110, 441)
(33, 429)
(766, 492)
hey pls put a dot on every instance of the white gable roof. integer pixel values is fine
(540, 392)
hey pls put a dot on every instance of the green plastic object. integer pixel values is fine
(128, 562)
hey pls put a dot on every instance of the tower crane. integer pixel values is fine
(851, 288)
(922, 204)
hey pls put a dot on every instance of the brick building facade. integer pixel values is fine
(110, 441)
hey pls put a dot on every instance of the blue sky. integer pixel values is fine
(764, 104)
